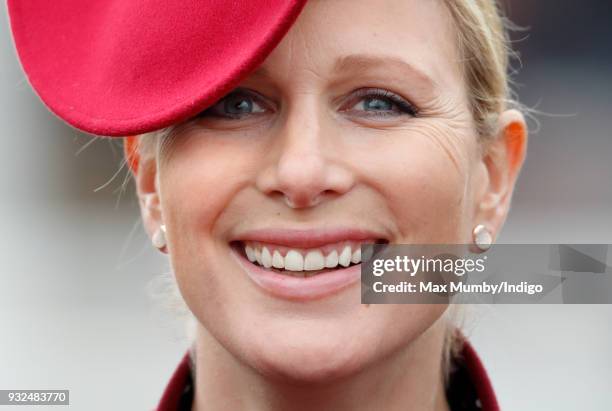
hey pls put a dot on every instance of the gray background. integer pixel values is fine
(75, 262)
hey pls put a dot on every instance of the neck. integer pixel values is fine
(408, 380)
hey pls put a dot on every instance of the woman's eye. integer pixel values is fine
(376, 104)
(380, 103)
(236, 105)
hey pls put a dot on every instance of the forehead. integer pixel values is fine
(410, 37)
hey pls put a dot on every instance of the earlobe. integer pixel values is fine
(152, 218)
(145, 176)
(503, 160)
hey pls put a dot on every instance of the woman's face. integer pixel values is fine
(356, 128)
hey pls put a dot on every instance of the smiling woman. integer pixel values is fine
(340, 123)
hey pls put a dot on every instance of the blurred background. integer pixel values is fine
(76, 264)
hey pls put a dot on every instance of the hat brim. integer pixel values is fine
(117, 67)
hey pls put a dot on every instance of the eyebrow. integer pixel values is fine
(364, 62)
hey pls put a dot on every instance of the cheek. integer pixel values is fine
(203, 175)
(196, 185)
(425, 180)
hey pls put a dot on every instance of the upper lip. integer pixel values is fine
(309, 238)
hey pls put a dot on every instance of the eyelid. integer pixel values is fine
(266, 102)
(405, 104)
(257, 97)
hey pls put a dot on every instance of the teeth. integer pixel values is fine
(250, 253)
(294, 261)
(266, 257)
(356, 257)
(314, 261)
(277, 260)
(300, 263)
(345, 256)
(331, 260)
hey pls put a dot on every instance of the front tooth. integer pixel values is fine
(314, 261)
(258, 256)
(266, 257)
(277, 260)
(250, 253)
(356, 257)
(294, 261)
(332, 259)
(345, 256)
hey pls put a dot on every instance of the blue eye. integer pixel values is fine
(240, 105)
(235, 105)
(377, 103)
(380, 103)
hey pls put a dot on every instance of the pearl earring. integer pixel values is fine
(159, 238)
(482, 237)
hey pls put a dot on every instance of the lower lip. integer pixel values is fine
(299, 288)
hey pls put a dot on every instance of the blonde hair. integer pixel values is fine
(484, 45)
(485, 52)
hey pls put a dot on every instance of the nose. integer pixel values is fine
(305, 164)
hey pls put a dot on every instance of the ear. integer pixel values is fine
(144, 170)
(503, 158)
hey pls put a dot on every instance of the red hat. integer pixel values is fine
(122, 67)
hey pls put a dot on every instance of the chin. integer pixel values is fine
(323, 350)
(312, 363)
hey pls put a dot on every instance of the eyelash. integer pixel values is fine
(404, 106)
(241, 92)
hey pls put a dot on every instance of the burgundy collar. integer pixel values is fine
(469, 390)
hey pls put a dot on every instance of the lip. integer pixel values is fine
(298, 288)
(301, 238)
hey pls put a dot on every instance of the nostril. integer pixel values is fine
(327, 194)
(301, 201)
